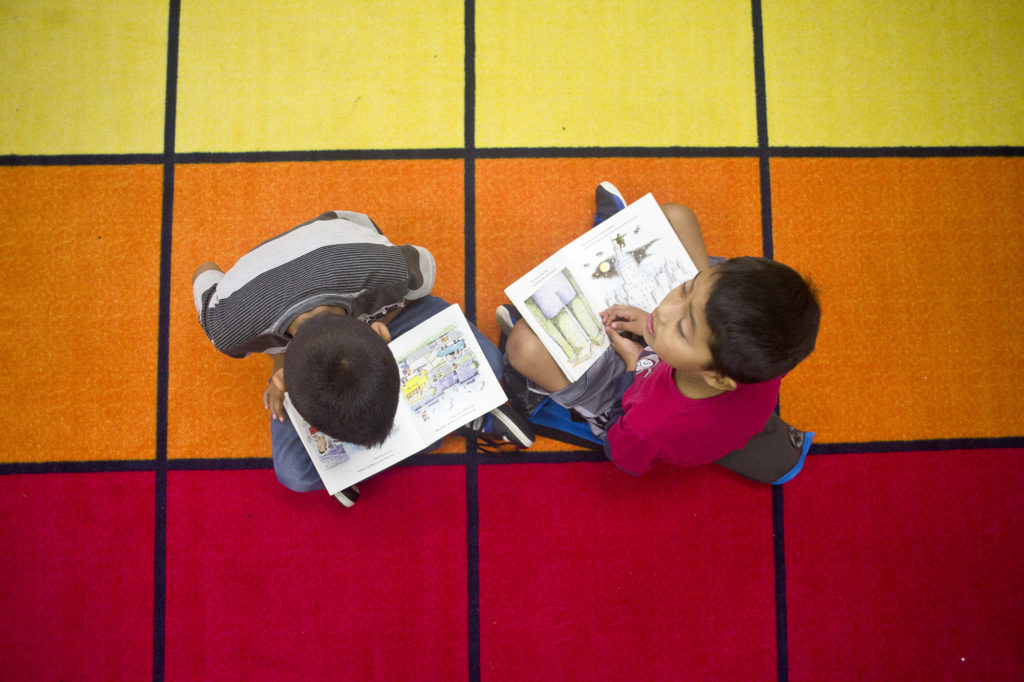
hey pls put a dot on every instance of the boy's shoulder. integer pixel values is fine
(646, 363)
(662, 391)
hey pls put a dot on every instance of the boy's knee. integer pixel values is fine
(523, 346)
(292, 465)
(678, 214)
(297, 483)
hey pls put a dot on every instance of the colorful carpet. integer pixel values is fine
(876, 146)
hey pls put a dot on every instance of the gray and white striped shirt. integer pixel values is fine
(338, 259)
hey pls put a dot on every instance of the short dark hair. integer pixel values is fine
(343, 379)
(764, 319)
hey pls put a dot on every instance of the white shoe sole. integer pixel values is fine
(504, 318)
(345, 500)
(513, 428)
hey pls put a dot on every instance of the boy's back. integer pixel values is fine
(323, 281)
(665, 425)
(339, 259)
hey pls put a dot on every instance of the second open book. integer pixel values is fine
(445, 383)
(632, 258)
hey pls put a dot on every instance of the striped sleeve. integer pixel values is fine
(329, 261)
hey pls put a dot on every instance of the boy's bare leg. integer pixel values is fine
(687, 228)
(529, 357)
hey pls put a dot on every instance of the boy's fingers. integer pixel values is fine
(616, 311)
(627, 350)
(616, 338)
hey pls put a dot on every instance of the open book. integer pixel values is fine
(446, 383)
(633, 258)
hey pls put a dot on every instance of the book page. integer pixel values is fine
(552, 302)
(446, 381)
(633, 258)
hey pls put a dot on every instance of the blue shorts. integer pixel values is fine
(594, 394)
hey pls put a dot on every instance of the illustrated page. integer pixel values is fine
(446, 381)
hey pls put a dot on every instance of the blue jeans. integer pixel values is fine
(293, 465)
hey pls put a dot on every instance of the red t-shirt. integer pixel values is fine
(660, 423)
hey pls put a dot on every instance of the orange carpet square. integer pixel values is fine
(526, 209)
(222, 211)
(918, 262)
(80, 256)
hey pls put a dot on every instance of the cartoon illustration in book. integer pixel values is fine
(566, 317)
(332, 452)
(635, 274)
(438, 373)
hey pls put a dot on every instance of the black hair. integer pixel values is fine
(764, 319)
(343, 379)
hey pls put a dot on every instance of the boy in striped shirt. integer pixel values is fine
(322, 300)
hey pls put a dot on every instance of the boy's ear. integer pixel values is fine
(382, 331)
(277, 379)
(718, 380)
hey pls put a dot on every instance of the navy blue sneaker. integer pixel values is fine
(348, 496)
(609, 202)
(501, 426)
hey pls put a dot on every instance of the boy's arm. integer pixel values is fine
(273, 395)
(686, 226)
(205, 276)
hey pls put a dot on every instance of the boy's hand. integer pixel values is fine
(627, 349)
(625, 318)
(273, 400)
(273, 395)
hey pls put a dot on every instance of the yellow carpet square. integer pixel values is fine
(883, 73)
(603, 73)
(273, 75)
(82, 78)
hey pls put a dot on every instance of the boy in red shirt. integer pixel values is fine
(705, 379)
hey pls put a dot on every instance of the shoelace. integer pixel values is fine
(493, 446)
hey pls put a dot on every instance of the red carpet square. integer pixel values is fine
(77, 588)
(883, 583)
(267, 584)
(670, 574)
